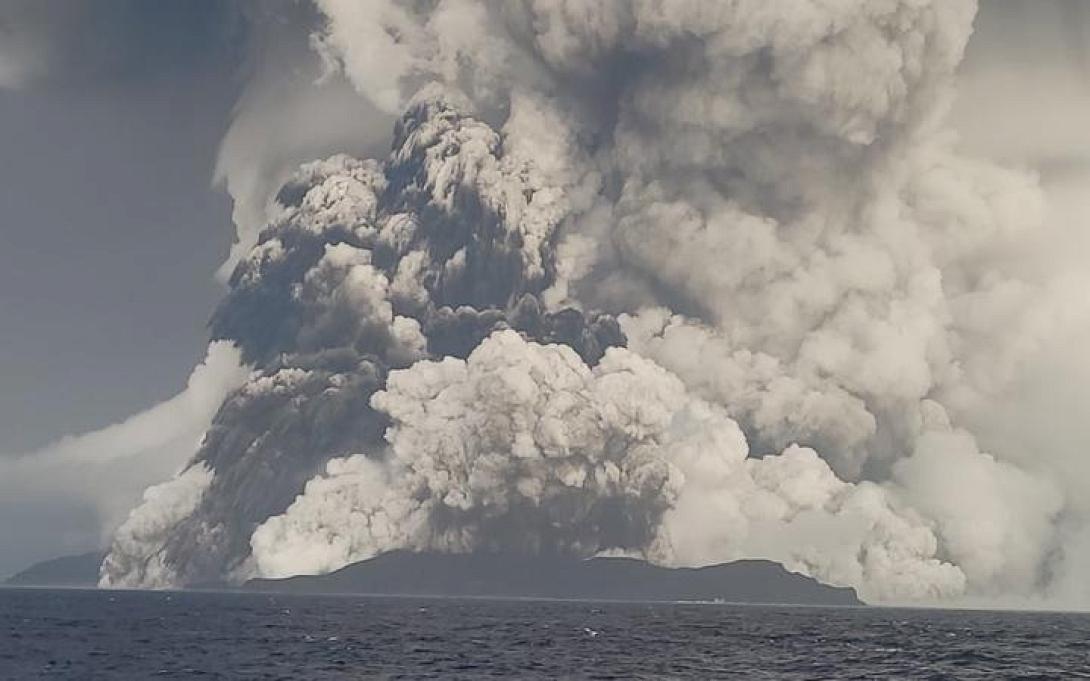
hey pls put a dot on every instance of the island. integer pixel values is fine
(557, 577)
(489, 575)
(68, 571)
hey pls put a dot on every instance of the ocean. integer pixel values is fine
(91, 635)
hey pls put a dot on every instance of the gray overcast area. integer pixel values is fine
(111, 232)
(773, 299)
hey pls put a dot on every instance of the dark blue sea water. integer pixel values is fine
(88, 635)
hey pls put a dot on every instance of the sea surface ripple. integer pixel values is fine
(91, 635)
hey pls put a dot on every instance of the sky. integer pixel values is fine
(141, 137)
(111, 228)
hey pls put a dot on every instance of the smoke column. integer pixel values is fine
(693, 282)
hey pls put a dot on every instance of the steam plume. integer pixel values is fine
(694, 282)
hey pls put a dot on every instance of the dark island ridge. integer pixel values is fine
(520, 576)
(406, 573)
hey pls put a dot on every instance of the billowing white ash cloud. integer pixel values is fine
(695, 281)
(524, 447)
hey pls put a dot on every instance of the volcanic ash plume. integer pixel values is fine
(524, 447)
(368, 267)
(692, 282)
